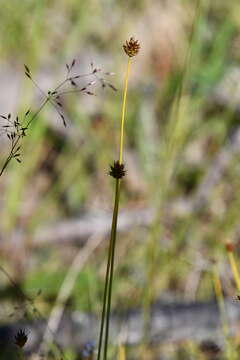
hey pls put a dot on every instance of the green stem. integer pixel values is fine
(124, 110)
(11, 155)
(106, 287)
(20, 352)
(107, 297)
(112, 248)
(109, 277)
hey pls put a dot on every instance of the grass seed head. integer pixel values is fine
(21, 338)
(229, 246)
(131, 47)
(117, 170)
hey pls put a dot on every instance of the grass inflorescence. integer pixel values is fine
(15, 128)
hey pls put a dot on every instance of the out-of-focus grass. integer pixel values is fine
(173, 154)
(84, 297)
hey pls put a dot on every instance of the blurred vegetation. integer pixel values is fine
(64, 172)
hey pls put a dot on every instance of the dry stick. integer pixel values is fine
(66, 289)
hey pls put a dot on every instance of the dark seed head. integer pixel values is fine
(210, 348)
(117, 170)
(131, 47)
(21, 338)
(229, 246)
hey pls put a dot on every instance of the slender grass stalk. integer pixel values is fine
(112, 255)
(234, 268)
(175, 137)
(117, 171)
(230, 353)
(20, 341)
(121, 353)
(124, 111)
(233, 264)
(108, 270)
(18, 137)
(20, 353)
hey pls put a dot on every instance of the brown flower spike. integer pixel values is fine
(117, 170)
(21, 338)
(229, 246)
(131, 47)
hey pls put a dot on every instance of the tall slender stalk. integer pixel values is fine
(117, 172)
(20, 341)
(233, 264)
(113, 246)
(175, 136)
(124, 111)
(230, 351)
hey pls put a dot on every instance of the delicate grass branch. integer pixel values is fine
(15, 130)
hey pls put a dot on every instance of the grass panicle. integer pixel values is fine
(15, 129)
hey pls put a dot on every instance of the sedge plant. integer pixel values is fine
(117, 171)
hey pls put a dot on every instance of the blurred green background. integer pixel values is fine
(181, 147)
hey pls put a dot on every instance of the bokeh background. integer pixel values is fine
(180, 199)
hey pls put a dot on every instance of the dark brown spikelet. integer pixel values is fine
(131, 47)
(210, 349)
(21, 338)
(117, 170)
(229, 246)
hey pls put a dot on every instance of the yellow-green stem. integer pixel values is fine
(112, 249)
(105, 318)
(221, 304)
(166, 173)
(105, 295)
(20, 353)
(124, 110)
(234, 269)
